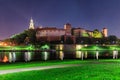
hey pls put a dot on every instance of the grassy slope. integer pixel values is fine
(93, 70)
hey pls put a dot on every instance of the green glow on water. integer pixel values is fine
(45, 46)
(95, 47)
(77, 47)
(114, 47)
(30, 47)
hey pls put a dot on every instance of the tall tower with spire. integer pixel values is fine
(31, 25)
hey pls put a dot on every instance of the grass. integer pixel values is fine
(89, 70)
(5, 66)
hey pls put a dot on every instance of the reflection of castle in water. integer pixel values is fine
(59, 52)
(54, 34)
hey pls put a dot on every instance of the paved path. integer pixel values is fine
(36, 68)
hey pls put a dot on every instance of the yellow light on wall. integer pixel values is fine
(78, 47)
(61, 47)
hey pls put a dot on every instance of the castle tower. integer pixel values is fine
(31, 26)
(67, 28)
(105, 32)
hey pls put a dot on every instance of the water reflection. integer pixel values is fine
(45, 55)
(78, 54)
(115, 54)
(61, 52)
(86, 54)
(59, 47)
(27, 56)
(5, 59)
(97, 54)
(12, 56)
(61, 55)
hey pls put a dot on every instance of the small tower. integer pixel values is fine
(31, 26)
(105, 32)
(67, 28)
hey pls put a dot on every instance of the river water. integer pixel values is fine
(60, 52)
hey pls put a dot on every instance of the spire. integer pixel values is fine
(31, 26)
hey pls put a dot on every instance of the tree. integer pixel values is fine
(69, 40)
(19, 38)
(62, 39)
(83, 40)
(104, 40)
(118, 41)
(22, 37)
(31, 35)
(112, 39)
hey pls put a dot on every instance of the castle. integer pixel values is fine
(54, 34)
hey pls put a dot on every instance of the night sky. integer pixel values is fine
(88, 14)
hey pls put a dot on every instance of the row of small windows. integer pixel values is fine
(39, 32)
(51, 31)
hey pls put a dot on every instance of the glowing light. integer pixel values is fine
(13, 57)
(5, 44)
(61, 47)
(27, 56)
(78, 47)
(45, 47)
(61, 55)
(78, 54)
(97, 54)
(115, 54)
(45, 55)
(85, 34)
(86, 45)
(5, 59)
(31, 47)
(97, 34)
(10, 57)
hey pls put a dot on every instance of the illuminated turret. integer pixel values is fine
(31, 26)
(67, 28)
(105, 32)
